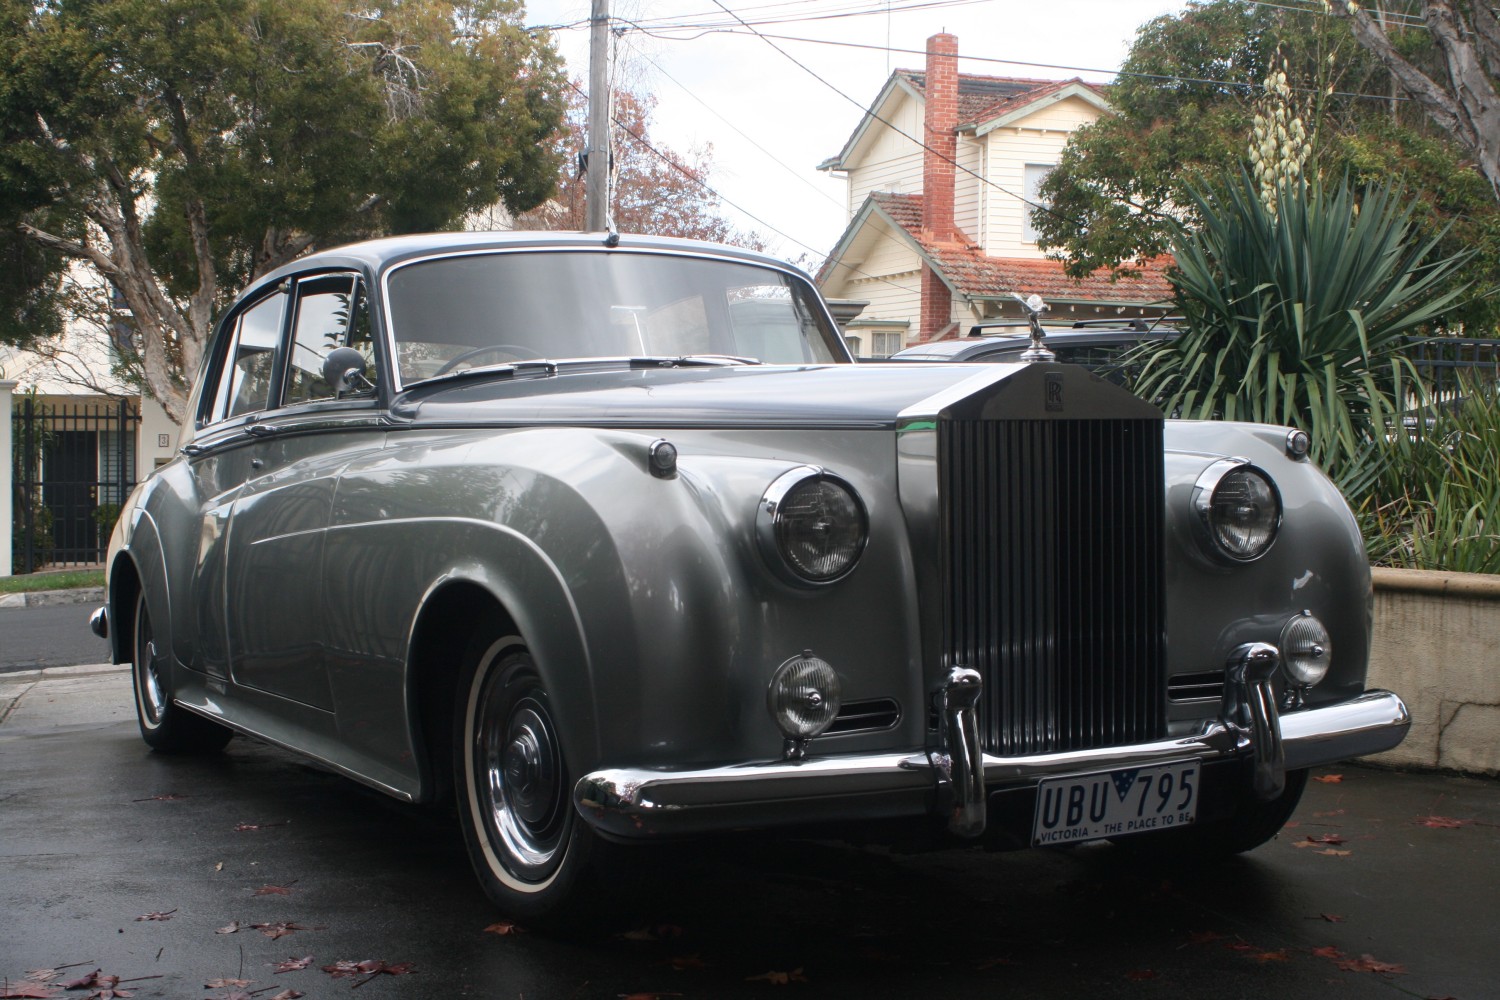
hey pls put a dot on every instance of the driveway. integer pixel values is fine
(159, 869)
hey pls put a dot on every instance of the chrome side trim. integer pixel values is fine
(634, 803)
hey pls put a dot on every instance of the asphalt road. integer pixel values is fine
(97, 835)
(58, 636)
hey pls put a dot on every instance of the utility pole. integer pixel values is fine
(596, 180)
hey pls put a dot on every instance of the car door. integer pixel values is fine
(276, 613)
(220, 460)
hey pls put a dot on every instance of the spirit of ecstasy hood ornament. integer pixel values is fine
(1034, 307)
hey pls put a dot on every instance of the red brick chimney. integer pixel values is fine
(940, 119)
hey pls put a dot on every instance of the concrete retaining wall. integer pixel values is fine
(1437, 645)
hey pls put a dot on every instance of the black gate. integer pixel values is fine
(73, 466)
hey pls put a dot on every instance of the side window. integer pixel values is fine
(245, 383)
(330, 313)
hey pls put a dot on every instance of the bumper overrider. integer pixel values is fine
(628, 803)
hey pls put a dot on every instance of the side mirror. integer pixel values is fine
(344, 371)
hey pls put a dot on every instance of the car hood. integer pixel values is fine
(734, 396)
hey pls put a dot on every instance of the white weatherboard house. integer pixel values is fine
(942, 170)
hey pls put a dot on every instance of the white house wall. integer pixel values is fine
(890, 160)
(1038, 138)
(968, 190)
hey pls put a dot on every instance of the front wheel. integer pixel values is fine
(165, 726)
(514, 788)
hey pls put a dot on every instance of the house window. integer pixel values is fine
(884, 343)
(853, 344)
(1035, 174)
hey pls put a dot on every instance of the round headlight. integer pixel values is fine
(1239, 510)
(803, 697)
(811, 526)
(1306, 650)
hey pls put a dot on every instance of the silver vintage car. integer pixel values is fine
(605, 540)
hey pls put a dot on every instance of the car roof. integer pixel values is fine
(378, 254)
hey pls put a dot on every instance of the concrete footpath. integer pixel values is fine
(65, 697)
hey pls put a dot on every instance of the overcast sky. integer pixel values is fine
(771, 121)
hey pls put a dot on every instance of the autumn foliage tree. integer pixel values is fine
(655, 190)
(177, 149)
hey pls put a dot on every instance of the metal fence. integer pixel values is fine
(73, 466)
(1447, 364)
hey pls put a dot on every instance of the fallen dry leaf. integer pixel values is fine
(247, 827)
(1332, 918)
(288, 995)
(1271, 956)
(1327, 951)
(233, 927)
(274, 890)
(278, 930)
(292, 964)
(779, 978)
(1328, 779)
(657, 932)
(1333, 852)
(368, 967)
(1443, 822)
(27, 990)
(1369, 963)
(156, 916)
(219, 867)
(505, 929)
(219, 984)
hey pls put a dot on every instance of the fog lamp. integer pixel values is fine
(803, 698)
(1306, 650)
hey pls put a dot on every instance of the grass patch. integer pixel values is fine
(66, 580)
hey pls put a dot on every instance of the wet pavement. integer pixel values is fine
(1398, 895)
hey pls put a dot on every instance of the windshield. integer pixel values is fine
(453, 313)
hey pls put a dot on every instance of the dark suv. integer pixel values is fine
(1096, 346)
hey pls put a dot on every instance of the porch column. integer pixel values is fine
(6, 486)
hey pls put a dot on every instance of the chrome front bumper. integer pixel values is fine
(627, 803)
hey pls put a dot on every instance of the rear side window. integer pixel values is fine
(245, 380)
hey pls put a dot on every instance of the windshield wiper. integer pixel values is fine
(691, 361)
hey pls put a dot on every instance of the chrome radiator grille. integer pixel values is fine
(1053, 536)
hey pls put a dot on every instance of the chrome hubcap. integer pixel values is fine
(520, 779)
(148, 671)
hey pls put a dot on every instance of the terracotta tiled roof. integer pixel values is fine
(976, 275)
(981, 98)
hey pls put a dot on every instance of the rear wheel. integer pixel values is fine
(525, 840)
(165, 726)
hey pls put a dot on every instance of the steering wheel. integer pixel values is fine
(516, 351)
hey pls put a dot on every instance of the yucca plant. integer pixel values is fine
(1435, 502)
(1298, 316)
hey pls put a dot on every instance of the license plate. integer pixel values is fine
(1076, 808)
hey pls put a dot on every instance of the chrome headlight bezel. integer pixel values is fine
(774, 525)
(1208, 505)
